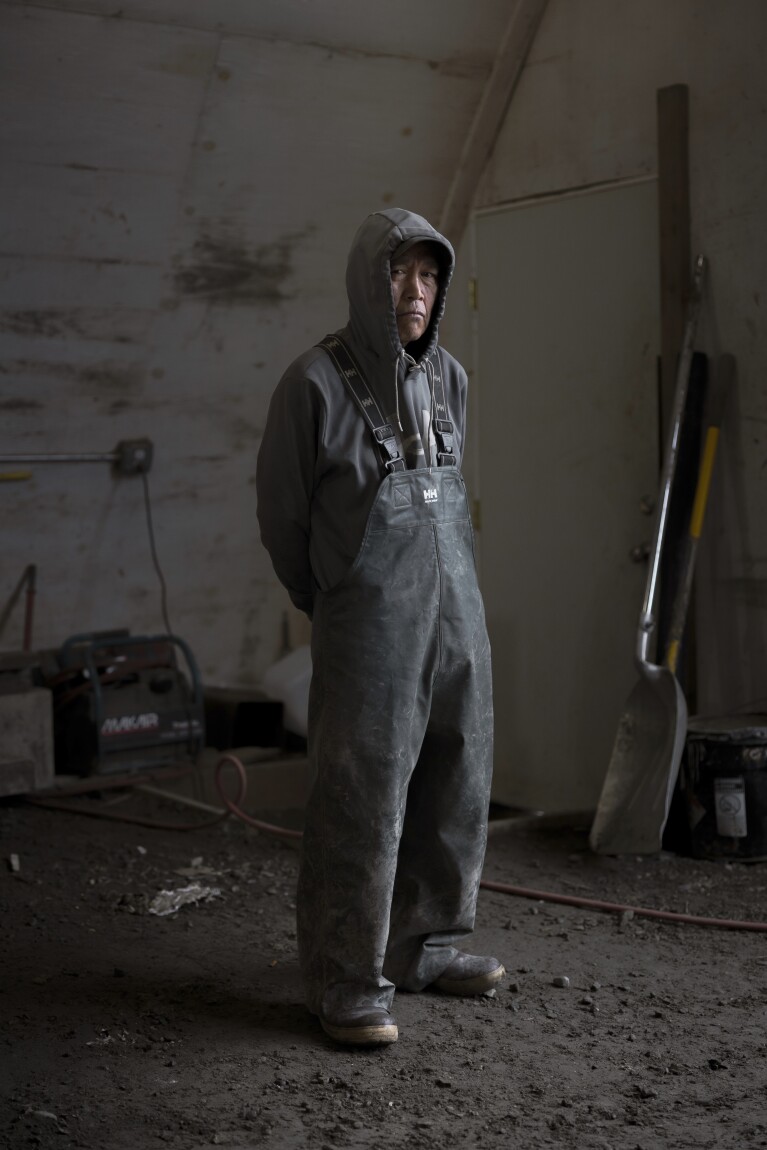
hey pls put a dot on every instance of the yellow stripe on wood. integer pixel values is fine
(701, 495)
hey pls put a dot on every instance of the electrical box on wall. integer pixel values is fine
(134, 456)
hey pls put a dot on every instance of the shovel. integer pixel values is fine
(636, 794)
(725, 375)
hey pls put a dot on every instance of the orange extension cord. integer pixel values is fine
(233, 807)
(501, 887)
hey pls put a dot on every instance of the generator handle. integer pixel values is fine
(90, 639)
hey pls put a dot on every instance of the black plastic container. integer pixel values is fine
(723, 787)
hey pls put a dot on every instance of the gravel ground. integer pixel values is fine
(123, 1029)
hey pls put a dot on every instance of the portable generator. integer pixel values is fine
(124, 703)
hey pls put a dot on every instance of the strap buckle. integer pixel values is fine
(385, 436)
(444, 434)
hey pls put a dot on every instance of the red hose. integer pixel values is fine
(75, 808)
(645, 912)
(501, 887)
(29, 606)
(233, 807)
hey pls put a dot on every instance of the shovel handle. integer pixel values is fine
(722, 384)
(647, 618)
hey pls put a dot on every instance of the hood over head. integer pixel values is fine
(368, 281)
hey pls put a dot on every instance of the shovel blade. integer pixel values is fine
(636, 795)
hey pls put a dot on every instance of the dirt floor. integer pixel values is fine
(125, 1030)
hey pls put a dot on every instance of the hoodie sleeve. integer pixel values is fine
(285, 482)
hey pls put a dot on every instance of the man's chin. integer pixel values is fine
(411, 331)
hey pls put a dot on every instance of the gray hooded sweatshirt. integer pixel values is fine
(319, 467)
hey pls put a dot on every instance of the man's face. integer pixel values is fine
(414, 286)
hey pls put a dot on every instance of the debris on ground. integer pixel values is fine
(171, 901)
(189, 1030)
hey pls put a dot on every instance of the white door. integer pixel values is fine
(568, 339)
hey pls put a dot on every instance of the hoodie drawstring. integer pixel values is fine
(401, 355)
(429, 368)
(430, 433)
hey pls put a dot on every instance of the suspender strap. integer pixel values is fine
(351, 374)
(443, 426)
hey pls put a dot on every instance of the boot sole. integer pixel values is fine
(361, 1035)
(471, 986)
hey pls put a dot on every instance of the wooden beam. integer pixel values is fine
(674, 221)
(489, 116)
(675, 278)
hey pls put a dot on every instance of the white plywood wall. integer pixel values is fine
(178, 189)
(179, 183)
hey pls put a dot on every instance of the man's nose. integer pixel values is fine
(414, 286)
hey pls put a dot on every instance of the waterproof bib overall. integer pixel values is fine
(400, 736)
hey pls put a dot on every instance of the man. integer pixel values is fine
(364, 513)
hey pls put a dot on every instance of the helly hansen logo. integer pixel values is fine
(430, 495)
(367, 402)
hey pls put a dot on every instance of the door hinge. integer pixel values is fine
(473, 294)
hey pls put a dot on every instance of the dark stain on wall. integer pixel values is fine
(59, 323)
(20, 405)
(123, 377)
(45, 323)
(225, 270)
(107, 374)
(119, 405)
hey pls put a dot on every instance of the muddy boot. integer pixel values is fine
(470, 974)
(360, 1027)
